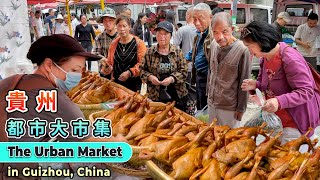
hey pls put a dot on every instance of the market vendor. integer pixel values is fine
(60, 61)
(286, 79)
(60, 68)
(164, 69)
(125, 56)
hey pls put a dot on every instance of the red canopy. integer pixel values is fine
(128, 1)
(32, 2)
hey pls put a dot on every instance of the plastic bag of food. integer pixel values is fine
(203, 114)
(272, 120)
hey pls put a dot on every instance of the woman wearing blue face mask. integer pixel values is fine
(60, 61)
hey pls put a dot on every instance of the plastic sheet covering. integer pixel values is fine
(14, 38)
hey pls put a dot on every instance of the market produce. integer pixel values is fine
(185, 148)
(93, 89)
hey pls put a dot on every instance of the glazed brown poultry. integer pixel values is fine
(213, 171)
(196, 142)
(278, 172)
(176, 128)
(160, 149)
(77, 89)
(261, 151)
(219, 134)
(130, 120)
(119, 127)
(276, 163)
(85, 90)
(165, 123)
(162, 116)
(187, 164)
(241, 176)
(245, 133)
(235, 169)
(140, 127)
(313, 166)
(117, 114)
(294, 145)
(147, 140)
(207, 155)
(235, 151)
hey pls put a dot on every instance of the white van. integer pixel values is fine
(245, 13)
(298, 11)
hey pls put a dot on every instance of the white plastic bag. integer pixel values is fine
(203, 114)
(272, 120)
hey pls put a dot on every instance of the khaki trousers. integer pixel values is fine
(224, 117)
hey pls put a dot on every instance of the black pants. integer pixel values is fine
(134, 83)
(32, 37)
(87, 45)
(201, 86)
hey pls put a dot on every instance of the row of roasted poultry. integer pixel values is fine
(93, 89)
(190, 149)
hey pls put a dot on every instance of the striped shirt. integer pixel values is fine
(102, 43)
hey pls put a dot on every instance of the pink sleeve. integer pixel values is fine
(299, 78)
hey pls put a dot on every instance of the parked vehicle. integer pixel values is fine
(299, 11)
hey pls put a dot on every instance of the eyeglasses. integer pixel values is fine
(244, 33)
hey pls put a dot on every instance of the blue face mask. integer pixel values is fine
(72, 80)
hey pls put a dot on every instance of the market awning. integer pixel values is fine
(128, 1)
(33, 2)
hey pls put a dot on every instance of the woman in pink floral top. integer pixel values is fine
(285, 78)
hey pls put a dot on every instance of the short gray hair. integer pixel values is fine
(222, 16)
(202, 7)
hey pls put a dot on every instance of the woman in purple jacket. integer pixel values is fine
(285, 78)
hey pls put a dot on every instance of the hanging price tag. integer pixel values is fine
(143, 89)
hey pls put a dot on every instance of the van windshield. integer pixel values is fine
(182, 14)
(241, 15)
(257, 14)
(301, 10)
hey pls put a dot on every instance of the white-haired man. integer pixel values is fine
(229, 66)
(200, 53)
(185, 36)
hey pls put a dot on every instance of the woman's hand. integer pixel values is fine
(124, 76)
(105, 68)
(154, 80)
(248, 84)
(271, 105)
(167, 81)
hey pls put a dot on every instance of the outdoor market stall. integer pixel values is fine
(174, 145)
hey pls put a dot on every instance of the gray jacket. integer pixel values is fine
(225, 78)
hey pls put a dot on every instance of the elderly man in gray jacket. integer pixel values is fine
(229, 65)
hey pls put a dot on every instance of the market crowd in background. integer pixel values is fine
(205, 55)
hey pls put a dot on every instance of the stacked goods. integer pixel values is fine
(143, 122)
(93, 89)
(234, 155)
(189, 149)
